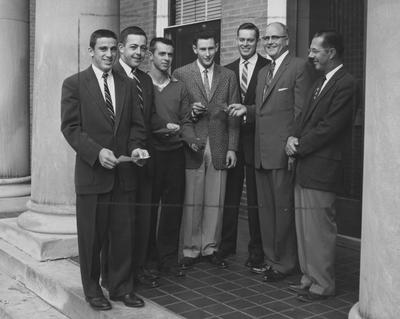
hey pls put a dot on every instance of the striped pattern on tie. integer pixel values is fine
(207, 84)
(139, 88)
(107, 96)
(268, 79)
(243, 80)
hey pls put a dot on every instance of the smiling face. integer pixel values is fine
(247, 43)
(320, 56)
(162, 56)
(205, 51)
(134, 50)
(104, 53)
(275, 40)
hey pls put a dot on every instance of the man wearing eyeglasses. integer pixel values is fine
(280, 93)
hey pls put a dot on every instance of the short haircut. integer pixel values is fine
(101, 33)
(131, 30)
(249, 26)
(154, 41)
(332, 39)
(204, 35)
(283, 26)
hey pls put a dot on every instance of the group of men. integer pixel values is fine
(161, 159)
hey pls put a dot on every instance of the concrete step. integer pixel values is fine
(58, 283)
(18, 302)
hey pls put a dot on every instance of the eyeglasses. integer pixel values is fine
(316, 51)
(273, 38)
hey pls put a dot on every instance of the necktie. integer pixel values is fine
(107, 96)
(139, 88)
(268, 79)
(318, 88)
(207, 84)
(243, 80)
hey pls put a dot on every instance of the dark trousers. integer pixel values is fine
(277, 221)
(234, 188)
(168, 190)
(103, 222)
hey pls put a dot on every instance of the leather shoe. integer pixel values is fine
(271, 275)
(259, 269)
(151, 273)
(148, 281)
(216, 260)
(99, 303)
(301, 290)
(172, 271)
(187, 263)
(129, 300)
(310, 297)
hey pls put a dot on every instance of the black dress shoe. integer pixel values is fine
(271, 275)
(142, 279)
(299, 289)
(129, 300)
(99, 303)
(254, 261)
(310, 297)
(187, 263)
(151, 273)
(172, 271)
(216, 260)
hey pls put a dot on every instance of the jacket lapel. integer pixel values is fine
(215, 80)
(120, 87)
(197, 78)
(253, 81)
(282, 68)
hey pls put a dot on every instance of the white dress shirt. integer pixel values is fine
(278, 61)
(329, 75)
(210, 72)
(110, 83)
(127, 68)
(250, 67)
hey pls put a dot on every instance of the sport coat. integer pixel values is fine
(246, 139)
(274, 115)
(221, 129)
(88, 128)
(322, 129)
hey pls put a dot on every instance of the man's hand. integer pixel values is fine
(140, 156)
(198, 108)
(173, 127)
(237, 110)
(107, 158)
(196, 145)
(291, 145)
(230, 159)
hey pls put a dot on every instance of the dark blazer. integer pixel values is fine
(88, 128)
(322, 129)
(274, 115)
(222, 130)
(246, 139)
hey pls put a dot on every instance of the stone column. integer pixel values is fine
(62, 32)
(14, 107)
(380, 239)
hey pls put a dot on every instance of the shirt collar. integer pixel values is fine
(252, 60)
(99, 73)
(331, 73)
(202, 68)
(126, 67)
(279, 60)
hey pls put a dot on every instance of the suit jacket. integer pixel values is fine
(274, 115)
(221, 129)
(246, 139)
(151, 119)
(88, 128)
(322, 129)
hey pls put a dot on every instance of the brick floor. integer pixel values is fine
(208, 292)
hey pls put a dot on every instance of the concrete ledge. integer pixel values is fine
(58, 283)
(39, 246)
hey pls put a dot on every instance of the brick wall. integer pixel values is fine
(234, 13)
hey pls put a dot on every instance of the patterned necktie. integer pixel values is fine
(107, 96)
(268, 78)
(207, 84)
(139, 88)
(243, 80)
(318, 88)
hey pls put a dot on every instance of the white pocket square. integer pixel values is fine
(282, 89)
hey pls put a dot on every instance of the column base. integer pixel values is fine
(39, 246)
(14, 195)
(355, 312)
(13, 206)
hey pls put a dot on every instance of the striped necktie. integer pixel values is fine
(207, 84)
(269, 78)
(318, 88)
(139, 88)
(243, 80)
(107, 95)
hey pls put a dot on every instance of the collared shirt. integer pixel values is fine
(279, 60)
(127, 68)
(250, 67)
(329, 75)
(210, 72)
(110, 83)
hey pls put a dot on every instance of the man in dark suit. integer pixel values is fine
(133, 49)
(280, 93)
(317, 145)
(211, 145)
(246, 68)
(101, 122)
